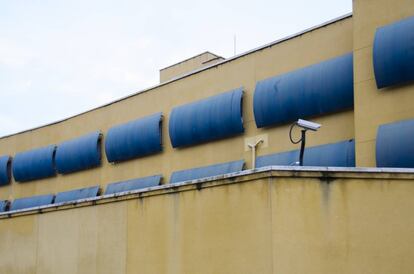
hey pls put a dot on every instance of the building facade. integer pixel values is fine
(163, 181)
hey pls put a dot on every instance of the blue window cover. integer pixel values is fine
(78, 154)
(3, 204)
(133, 184)
(34, 164)
(134, 139)
(393, 53)
(288, 158)
(318, 89)
(395, 145)
(210, 119)
(33, 201)
(5, 170)
(340, 154)
(76, 194)
(207, 171)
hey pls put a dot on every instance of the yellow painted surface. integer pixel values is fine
(374, 107)
(272, 223)
(261, 224)
(18, 244)
(304, 50)
(87, 240)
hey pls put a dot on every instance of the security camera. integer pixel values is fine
(305, 125)
(308, 125)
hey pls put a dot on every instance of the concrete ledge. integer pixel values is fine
(324, 173)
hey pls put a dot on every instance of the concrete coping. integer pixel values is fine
(324, 173)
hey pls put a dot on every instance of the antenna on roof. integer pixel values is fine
(234, 44)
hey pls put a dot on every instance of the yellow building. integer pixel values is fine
(165, 180)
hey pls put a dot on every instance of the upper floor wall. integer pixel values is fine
(378, 100)
(279, 58)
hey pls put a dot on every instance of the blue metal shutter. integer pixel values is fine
(134, 139)
(341, 154)
(395, 145)
(77, 194)
(393, 53)
(207, 171)
(133, 184)
(78, 154)
(5, 170)
(210, 119)
(315, 90)
(33, 201)
(34, 164)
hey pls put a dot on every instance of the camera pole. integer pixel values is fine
(302, 146)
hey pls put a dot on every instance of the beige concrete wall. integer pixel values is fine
(262, 224)
(202, 60)
(304, 50)
(374, 107)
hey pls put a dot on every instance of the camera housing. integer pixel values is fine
(308, 125)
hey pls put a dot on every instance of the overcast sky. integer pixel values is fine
(62, 57)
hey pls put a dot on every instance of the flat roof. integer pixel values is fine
(268, 45)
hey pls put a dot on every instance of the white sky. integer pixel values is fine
(60, 57)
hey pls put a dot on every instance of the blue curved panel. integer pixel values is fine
(393, 53)
(34, 164)
(395, 144)
(340, 154)
(33, 201)
(133, 184)
(77, 194)
(3, 204)
(210, 119)
(289, 158)
(78, 154)
(134, 139)
(5, 170)
(207, 171)
(318, 89)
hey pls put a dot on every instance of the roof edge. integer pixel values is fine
(268, 45)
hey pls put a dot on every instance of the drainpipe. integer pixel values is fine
(253, 147)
